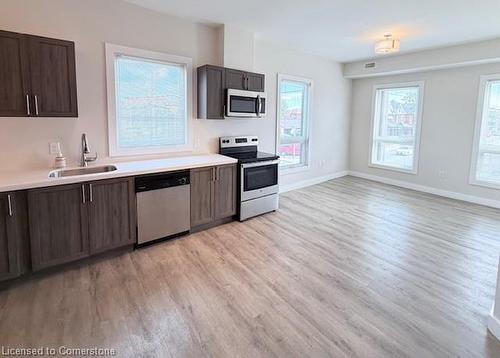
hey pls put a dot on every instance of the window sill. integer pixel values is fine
(394, 169)
(294, 170)
(174, 150)
(486, 184)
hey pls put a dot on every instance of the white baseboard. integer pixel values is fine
(313, 181)
(494, 325)
(430, 190)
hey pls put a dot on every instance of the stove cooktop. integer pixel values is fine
(250, 157)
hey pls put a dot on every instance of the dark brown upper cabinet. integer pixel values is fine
(255, 82)
(14, 73)
(242, 80)
(37, 76)
(235, 79)
(213, 82)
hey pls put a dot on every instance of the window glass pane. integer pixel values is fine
(150, 104)
(294, 98)
(290, 154)
(395, 155)
(395, 127)
(488, 166)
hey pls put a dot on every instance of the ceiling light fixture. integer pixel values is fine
(387, 45)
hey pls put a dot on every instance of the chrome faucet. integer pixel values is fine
(86, 158)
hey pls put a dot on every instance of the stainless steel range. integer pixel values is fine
(257, 175)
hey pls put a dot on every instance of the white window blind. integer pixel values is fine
(148, 102)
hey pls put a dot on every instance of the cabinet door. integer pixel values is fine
(14, 93)
(58, 225)
(202, 196)
(215, 92)
(9, 266)
(53, 77)
(111, 214)
(256, 82)
(235, 79)
(225, 191)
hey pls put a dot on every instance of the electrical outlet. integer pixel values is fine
(54, 147)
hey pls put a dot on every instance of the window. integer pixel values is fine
(294, 98)
(486, 152)
(148, 101)
(396, 122)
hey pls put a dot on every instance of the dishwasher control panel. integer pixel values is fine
(161, 181)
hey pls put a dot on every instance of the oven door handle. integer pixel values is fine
(260, 164)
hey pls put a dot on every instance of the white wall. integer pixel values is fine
(330, 107)
(449, 115)
(91, 23)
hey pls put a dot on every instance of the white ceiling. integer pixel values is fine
(345, 30)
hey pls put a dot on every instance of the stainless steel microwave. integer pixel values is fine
(245, 104)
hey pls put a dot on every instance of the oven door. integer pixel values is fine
(246, 104)
(259, 179)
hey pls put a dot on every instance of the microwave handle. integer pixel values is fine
(258, 104)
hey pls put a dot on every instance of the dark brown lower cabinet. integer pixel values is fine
(213, 194)
(74, 221)
(202, 196)
(111, 214)
(225, 191)
(58, 222)
(9, 245)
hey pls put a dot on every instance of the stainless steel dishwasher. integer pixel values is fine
(163, 206)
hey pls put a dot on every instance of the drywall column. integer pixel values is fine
(494, 319)
(239, 48)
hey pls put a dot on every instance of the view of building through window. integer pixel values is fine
(488, 161)
(150, 103)
(293, 123)
(395, 127)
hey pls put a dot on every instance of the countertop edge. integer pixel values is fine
(43, 182)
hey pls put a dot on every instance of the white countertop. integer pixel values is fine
(40, 178)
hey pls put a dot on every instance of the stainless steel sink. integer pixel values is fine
(59, 173)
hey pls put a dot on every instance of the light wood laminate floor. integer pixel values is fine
(345, 268)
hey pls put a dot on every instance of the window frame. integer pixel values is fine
(483, 81)
(112, 52)
(418, 127)
(306, 166)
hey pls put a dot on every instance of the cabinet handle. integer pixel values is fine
(83, 194)
(91, 193)
(9, 203)
(28, 109)
(246, 79)
(36, 105)
(213, 174)
(217, 174)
